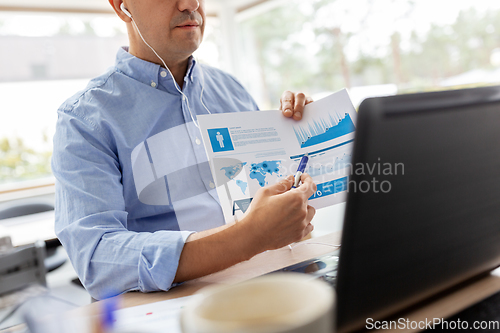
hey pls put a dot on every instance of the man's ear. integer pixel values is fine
(116, 7)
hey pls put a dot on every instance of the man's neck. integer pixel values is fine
(177, 67)
(178, 71)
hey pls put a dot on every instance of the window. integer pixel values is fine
(371, 47)
(44, 59)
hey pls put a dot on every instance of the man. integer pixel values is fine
(136, 207)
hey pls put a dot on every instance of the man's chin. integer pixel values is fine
(188, 40)
(186, 47)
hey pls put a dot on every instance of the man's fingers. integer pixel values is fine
(287, 103)
(287, 183)
(308, 230)
(311, 211)
(293, 104)
(300, 102)
(308, 187)
(282, 186)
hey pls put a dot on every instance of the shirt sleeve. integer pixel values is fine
(91, 221)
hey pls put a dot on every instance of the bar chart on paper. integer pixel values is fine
(323, 130)
(330, 166)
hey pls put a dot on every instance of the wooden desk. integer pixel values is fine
(269, 261)
(263, 263)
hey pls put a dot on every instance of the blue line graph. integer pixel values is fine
(298, 157)
(338, 164)
(323, 130)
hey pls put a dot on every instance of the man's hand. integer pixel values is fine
(292, 104)
(280, 215)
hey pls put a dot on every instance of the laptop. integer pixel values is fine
(423, 208)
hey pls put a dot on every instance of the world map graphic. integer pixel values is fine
(232, 171)
(258, 171)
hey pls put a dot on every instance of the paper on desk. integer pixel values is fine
(249, 150)
(156, 317)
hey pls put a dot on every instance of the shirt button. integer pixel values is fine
(197, 141)
(153, 84)
(212, 185)
(163, 74)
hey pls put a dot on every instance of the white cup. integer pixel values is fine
(282, 302)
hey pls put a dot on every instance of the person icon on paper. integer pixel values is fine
(220, 138)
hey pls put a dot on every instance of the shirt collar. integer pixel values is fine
(145, 71)
(190, 73)
(138, 69)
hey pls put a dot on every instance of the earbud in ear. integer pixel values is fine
(122, 7)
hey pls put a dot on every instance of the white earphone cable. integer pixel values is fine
(202, 89)
(313, 243)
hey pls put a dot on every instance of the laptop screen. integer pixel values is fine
(423, 208)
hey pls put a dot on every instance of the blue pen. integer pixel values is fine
(300, 170)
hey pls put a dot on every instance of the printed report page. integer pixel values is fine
(249, 150)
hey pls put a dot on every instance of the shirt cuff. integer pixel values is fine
(159, 259)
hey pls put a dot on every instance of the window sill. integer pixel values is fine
(27, 189)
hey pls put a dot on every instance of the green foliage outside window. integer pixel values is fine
(323, 59)
(18, 162)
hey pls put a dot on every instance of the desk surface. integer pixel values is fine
(260, 264)
(442, 307)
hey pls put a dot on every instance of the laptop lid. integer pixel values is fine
(423, 208)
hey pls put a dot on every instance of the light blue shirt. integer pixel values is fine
(133, 179)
